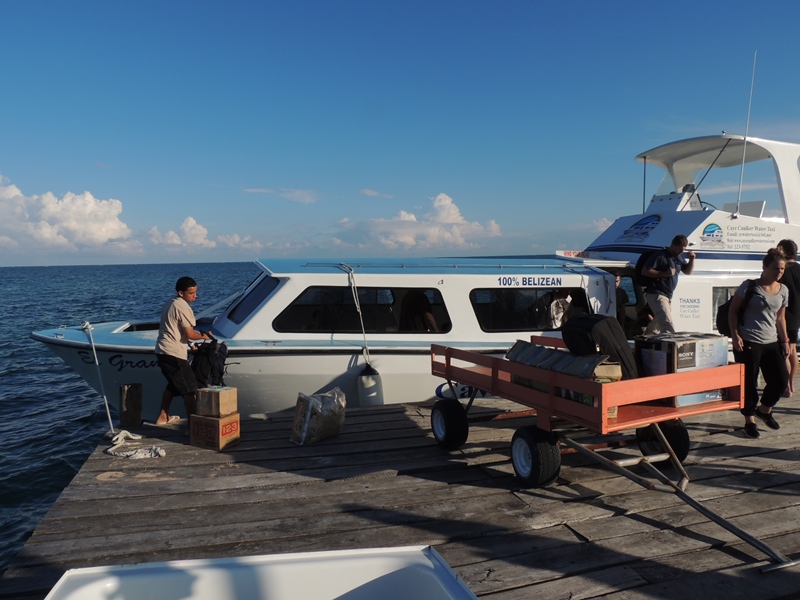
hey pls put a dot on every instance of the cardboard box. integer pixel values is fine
(672, 353)
(216, 433)
(676, 352)
(216, 401)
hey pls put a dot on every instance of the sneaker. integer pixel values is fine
(751, 430)
(768, 419)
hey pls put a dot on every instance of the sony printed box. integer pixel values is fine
(678, 352)
(215, 433)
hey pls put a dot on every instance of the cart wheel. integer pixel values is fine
(535, 456)
(449, 423)
(676, 433)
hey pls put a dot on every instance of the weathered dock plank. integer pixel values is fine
(384, 482)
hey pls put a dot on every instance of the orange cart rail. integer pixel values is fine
(633, 399)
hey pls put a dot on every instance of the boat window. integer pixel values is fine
(540, 309)
(626, 283)
(253, 299)
(329, 309)
(151, 326)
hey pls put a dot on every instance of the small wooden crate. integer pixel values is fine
(216, 433)
(216, 401)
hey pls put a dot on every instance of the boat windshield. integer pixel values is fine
(252, 299)
(719, 189)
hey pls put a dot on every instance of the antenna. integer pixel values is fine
(644, 184)
(746, 131)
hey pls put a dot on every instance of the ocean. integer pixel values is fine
(51, 419)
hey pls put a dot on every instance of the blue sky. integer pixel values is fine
(189, 131)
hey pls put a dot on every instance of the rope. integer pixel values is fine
(352, 278)
(118, 440)
(86, 326)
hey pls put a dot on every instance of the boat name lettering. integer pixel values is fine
(120, 364)
(463, 391)
(763, 228)
(86, 357)
(529, 281)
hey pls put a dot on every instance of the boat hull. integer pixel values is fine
(269, 379)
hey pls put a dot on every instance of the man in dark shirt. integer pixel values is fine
(663, 268)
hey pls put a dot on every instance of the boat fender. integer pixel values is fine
(370, 388)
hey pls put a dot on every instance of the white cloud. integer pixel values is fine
(73, 223)
(195, 234)
(374, 193)
(301, 196)
(192, 234)
(236, 241)
(444, 228)
(83, 229)
(167, 239)
(258, 191)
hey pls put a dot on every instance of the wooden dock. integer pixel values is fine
(384, 482)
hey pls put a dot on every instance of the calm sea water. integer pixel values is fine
(51, 419)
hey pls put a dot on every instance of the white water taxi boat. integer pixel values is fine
(750, 201)
(297, 327)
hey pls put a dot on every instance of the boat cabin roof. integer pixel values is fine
(722, 150)
(464, 266)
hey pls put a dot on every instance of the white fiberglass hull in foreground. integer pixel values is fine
(267, 379)
(416, 572)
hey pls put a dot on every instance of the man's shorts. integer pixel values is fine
(792, 335)
(179, 374)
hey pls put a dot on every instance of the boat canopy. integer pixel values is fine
(683, 159)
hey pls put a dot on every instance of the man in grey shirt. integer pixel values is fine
(175, 331)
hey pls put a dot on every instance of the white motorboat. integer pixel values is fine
(298, 328)
(754, 185)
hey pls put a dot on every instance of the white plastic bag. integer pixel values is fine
(318, 416)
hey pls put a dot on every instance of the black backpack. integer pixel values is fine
(638, 277)
(724, 310)
(586, 334)
(208, 363)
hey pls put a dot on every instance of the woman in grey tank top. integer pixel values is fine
(760, 341)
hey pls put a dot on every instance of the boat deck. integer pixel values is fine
(384, 482)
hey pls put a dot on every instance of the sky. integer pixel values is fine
(196, 131)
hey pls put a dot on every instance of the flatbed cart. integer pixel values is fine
(610, 407)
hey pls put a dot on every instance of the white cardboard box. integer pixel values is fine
(673, 353)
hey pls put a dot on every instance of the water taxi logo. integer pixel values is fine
(713, 236)
(640, 231)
